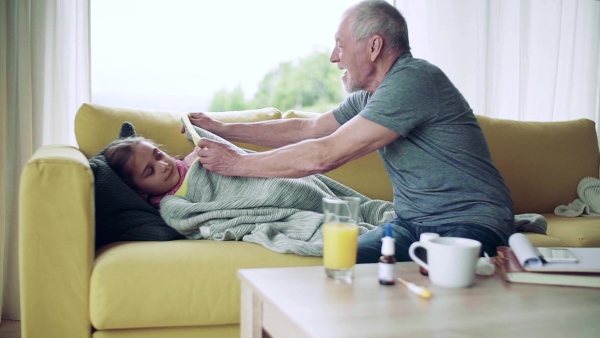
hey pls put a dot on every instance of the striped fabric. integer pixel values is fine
(282, 214)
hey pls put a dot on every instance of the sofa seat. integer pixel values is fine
(185, 282)
(568, 232)
(576, 231)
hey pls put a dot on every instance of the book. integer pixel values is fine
(559, 259)
(512, 271)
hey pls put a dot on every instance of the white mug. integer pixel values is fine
(451, 261)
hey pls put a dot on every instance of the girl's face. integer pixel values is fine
(152, 171)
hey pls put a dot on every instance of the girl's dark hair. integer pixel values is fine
(118, 154)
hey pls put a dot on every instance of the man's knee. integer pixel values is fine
(369, 244)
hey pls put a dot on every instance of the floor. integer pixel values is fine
(10, 329)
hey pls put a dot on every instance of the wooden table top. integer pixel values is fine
(310, 303)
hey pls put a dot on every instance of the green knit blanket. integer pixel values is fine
(282, 214)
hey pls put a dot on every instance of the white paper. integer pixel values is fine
(588, 259)
(524, 250)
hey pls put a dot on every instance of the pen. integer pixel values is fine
(417, 289)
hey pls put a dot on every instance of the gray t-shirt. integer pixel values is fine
(441, 169)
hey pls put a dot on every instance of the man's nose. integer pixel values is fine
(333, 58)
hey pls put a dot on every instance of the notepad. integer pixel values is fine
(557, 255)
(532, 259)
(512, 271)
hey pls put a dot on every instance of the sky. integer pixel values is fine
(176, 54)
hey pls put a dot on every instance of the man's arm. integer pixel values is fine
(271, 133)
(354, 139)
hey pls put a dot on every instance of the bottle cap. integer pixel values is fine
(387, 247)
(388, 230)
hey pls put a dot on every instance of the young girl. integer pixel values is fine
(146, 168)
(282, 214)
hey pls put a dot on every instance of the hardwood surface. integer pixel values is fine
(302, 302)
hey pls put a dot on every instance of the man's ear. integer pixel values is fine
(375, 46)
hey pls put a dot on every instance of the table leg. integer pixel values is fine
(251, 312)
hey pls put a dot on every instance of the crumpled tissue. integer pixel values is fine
(485, 267)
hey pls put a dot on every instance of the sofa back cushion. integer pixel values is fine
(97, 125)
(542, 162)
(120, 213)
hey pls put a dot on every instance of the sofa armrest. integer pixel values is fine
(56, 243)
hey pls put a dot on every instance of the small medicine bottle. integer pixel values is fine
(386, 269)
(422, 253)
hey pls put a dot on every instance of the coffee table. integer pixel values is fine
(302, 302)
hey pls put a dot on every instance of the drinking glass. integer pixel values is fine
(340, 236)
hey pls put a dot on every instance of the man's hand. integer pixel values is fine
(219, 157)
(203, 121)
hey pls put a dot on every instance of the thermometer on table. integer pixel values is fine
(417, 289)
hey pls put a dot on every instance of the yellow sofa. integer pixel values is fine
(186, 288)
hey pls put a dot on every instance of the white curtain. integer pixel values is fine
(532, 60)
(44, 78)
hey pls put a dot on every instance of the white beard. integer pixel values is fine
(349, 85)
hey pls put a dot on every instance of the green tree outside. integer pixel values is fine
(228, 101)
(311, 84)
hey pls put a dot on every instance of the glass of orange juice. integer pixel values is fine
(340, 236)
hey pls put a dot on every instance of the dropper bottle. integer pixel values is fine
(386, 269)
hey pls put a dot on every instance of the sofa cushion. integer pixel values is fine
(545, 240)
(163, 127)
(177, 283)
(121, 214)
(574, 231)
(542, 162)
(291, 114)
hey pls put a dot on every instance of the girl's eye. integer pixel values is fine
(148, 172)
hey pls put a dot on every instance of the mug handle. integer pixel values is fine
(411, 253)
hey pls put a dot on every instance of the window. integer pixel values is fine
(188, 55)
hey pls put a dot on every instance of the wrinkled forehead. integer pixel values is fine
(344, 32)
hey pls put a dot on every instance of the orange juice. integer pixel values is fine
(340, 241)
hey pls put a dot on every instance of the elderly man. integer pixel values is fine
(433, 149)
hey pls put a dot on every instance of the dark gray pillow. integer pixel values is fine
(122, 214)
